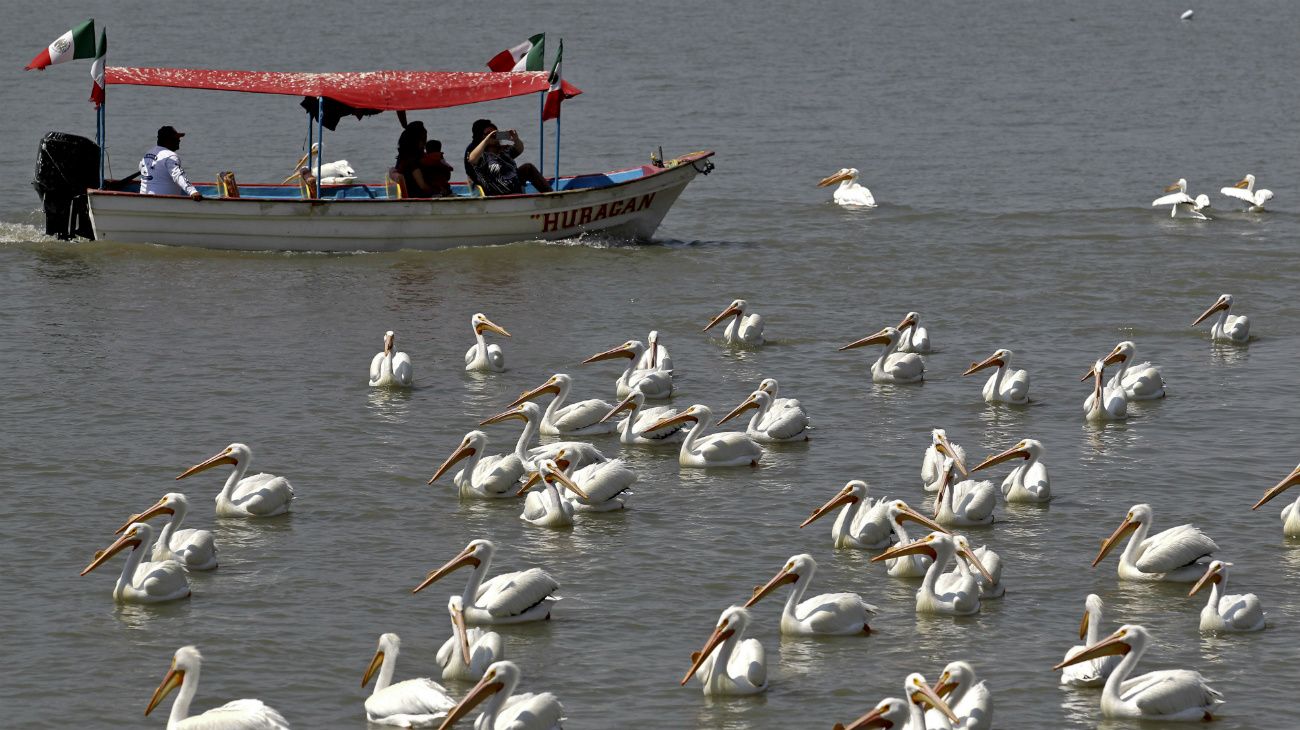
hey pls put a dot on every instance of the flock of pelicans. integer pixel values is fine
(564, 479)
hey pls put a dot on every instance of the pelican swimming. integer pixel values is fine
(1291, 512)
(1092, 673)
(142, 581)
(990, 581)
(892, 713)
(1167, 694)
(742, 329)
(778, 403)
(1178, 199)
(583, 418)
(1244, 190)
(1027, 482)
(410, 703)
(579, 453)
(932, 463)
(1006, 384)
(1171, 556)
(1223, 612)
(603, 485)
(505, 709)
(960, 597)
(1226, 327)
(261, 495)
(338, 172)
(862, 522)
(913, 337)
(483, 357)
(234, 715)
(892, 366)
(656, 356)
(730, 664)
(966, 694)
(509, 598)
(967, 503)
(547, 508)
(469, 651)
(728, 448)
(828, 614)
(913, 565)
(1105, 402)
(769, 425)
(654, 384)
(390, 368)
(488, 476)
(850, 192)
(633, 428)
(1141, 381)
(193, 549)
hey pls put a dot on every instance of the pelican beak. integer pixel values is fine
(1171, 188)
(719, 635)
(969, 554)
(990, 361)
(568, 484)
(1115, 356)
(1125, 527)
(223, 458)
(1220, 304)
(614, 354)
(945, 448)
(1243, 184)
(160, 508)
(1097, 375)
(466, 557)
(916, 547)
(463, 452)
(486, 687)
(945, 685)
(880, 338)
(844, 497)
(908, 321)
(488, 325)
(730, 311)
(123, 542)
(832, 179)
(375, 663)
(547, 387)
(1113, 644)
(748, 403)
(873, 719)
(907, 513)
(170, 682)
(623, 405)
(928, 695)
(1291, 480)
(653, 344)
(1083, 625)
(780, 579)
(532, 479)
(1011, 453)
(388, 344)
(1211, 576)
(673, 421)
(462, 633)
(513, 412)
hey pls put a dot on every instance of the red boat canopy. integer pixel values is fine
(382, 90)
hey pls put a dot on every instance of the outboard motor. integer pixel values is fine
(66, 166)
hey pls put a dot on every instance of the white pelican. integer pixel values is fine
(1171, 556)
(769, 425)
(850, 192)
(932, 463)
(1141, 381)
(583, 418)
(509, 598)
(1178, 198)
(743, 329)
(908, 566)
(967, 695)
(1091, 673)
(1244, 190)
(261, 495)
(580, 453)
(1105, 402)
(490, 477)
(1223, 612)
(236, 714)
(603, 485)
(990, 586)
(729, 664)
(547, 508)
(338, 172)
(654, 384)
(1006, 384)
(633, 428)
(507, 710)
(1027, 482)
(778, 403)
(141, 581)
(967, 503)
(390, 368)
(483, 357)
(410, 703)
(729, 448)
(656, 356)
(856, 527)
(1167, 694)
(892, 366)
(193, 549)
(468, 652)
(912, 336)
(892, 713)
(1291, 512)
(829, 614)
(1226, 327)
(959, 597)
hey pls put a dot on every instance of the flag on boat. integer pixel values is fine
(560, 89)
(97, 70)
(76, 43)
(527, 56)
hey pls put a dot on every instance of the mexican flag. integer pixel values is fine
(97, 70)
(527, 56)
(560, 89)
(76, 43)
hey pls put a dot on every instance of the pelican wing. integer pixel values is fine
(417, 702)
(1241, 610)
(510, 594)
(603, 482)
(469, 354)
(497, 472)
(1173, 199)
(1174, 548)
(904, 365)
(237, 715)
(975, 499)
(1170, 691)
(376, 366)
(1241, 194)
(402, 370)
(529, 711)
(751, 328)
(581, 414)
(536, 506)
(728, 445)
(649, 416)
(785, 423)
(871, 525)
(654, 383)
(749, 662)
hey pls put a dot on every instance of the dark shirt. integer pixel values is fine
(495, 172)
(437, 173)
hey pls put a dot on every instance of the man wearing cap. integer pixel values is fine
(160, 168)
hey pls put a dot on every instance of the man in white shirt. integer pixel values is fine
(160, 168)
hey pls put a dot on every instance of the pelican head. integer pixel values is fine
(846, 174)
(796, 567)
(550, 472)
(388, 342)
(887, 337)
(999, 359)
(632, 349)
(502, 676)
(1123, 352)
(694, 414)
(1026, 449)
(1180, 186)
(456, 609)
(137, 534)
(853, 492)
(232, 454)
(634, 401)
(186, 659)
(172, 503)
(475, 554)
(1138, 515)
(928, 546)
(1289, 481)
(1247, 183)
(1092, 604)
(758, 400)
(473, 443)
(967, 554)
(900, 512)
(956, 674)
(483, 324)
(1128, 638)
(769, 385)
(735, 309)
(911, 319)
(889, 713)
(939, 439)
(652, 343)
(389, 645)
(556, 384)
(1216, 572)
(1223, 303)
(732, 621)
(920, 692)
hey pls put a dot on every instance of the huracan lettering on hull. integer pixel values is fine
(560, 220)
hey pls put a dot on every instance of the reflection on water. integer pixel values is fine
(63, 262)
(146, 616)
(1226, 354)
(391, 406)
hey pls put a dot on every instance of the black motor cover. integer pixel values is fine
(66, 166)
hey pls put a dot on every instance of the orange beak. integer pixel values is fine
(486, 687)
(908, 321)
(614, 354)
(832, 179)
(750, 402)
(464, 452)
(171, 681)
(673, 421)
(719, 635)
(1125, 527)
(730, 311)
(462, 633)
(781, 578)
(160, 508)
(624, 405)
(514, 412)
(1011, 453)
(1113, 644)
(101, 557)
(223, 458)
(375, 664)
(879, 338)
(1291, 480)
(844, 497)
(488, 325)
(466, 557)
(547, 387)
(1217, 306)
(990, 361)
(1211, 576)
(916, 547)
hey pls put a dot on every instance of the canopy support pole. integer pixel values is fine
(311, 139)
(555, 184)
(541, 133)
(320, 132)
(101, 138)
